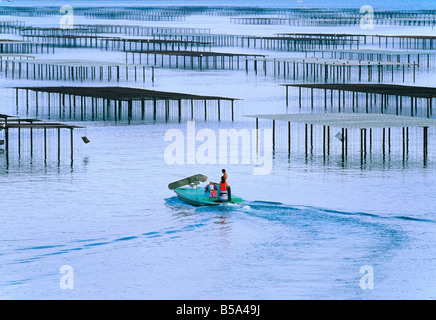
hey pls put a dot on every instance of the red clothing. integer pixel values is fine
(223, 186)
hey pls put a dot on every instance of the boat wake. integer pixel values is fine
(277, 210)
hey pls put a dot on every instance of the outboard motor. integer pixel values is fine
(223, 196)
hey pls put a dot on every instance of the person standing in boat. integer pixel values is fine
(223, 194)
(229, 195)
(224, 174)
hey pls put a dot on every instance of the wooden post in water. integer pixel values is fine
(45, 145)
(19, 140)
(7, 141)
(257, 135)
(289, 138)
(154, 109)
(305, 140)
(273, 135)
(180, 109)
(287, 95)
(324, 141)
(129, 110)
(72, 144)
(404, 143)
(59, 145)
(31, 141)
(343, 145)
(425, 144)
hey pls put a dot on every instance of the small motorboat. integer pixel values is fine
(201, 196)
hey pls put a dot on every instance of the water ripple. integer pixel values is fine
(39, 252)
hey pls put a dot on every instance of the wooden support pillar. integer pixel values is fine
(154, 109)
(343, 144)
(142, 109)
(362, 144)
(311, 138)
(19, 140)
(72, 144)
(31, 142)
(411, 106)
(404, 143)
(257, 135)
(364, 141)
(305, 139)
(117, 105)
(179, 103)
(129, 110)
(324, 141)
(325, 99)
(311, 97)
(59, 144)
(7, 143)
(389, 140)
(273, 135)
(425, 144)
(289, 138)
(167, 109)
(287, 95)
(45, 145)
(299, 96)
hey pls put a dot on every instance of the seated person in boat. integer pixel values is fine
(212, 187)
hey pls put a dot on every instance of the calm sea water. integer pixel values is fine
(304, 232)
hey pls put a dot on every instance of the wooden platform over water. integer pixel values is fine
(385, 89)
(329, 69)
(375, 95)
(27, 67)
(24, 130)
(123, 93)
(191, 59)
(362, 122)
(103, 99)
